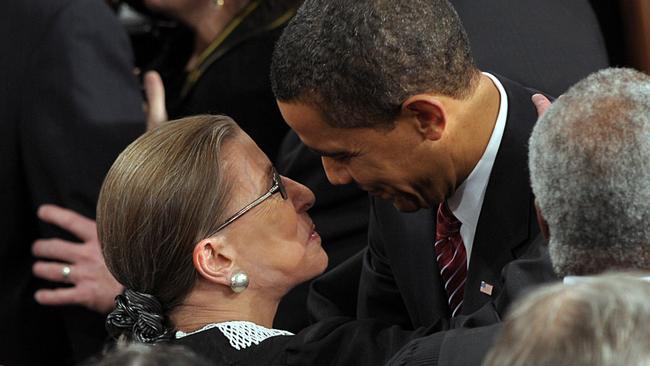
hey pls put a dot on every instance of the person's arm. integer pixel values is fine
(462, 347)
(379, 297)
(81, 106)
(335, 292)
(363, 286)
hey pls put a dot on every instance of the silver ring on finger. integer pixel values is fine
(65, 272)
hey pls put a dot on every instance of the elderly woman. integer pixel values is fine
(206, 238)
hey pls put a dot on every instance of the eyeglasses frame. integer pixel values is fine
(276, 187)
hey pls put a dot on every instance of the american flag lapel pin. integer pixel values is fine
(486, 288)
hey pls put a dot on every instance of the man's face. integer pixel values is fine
(385, 163)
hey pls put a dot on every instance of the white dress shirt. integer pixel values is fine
(574, 280)
(467, 201)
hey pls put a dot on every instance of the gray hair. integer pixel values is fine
(358, 61)
(590, 172)
(166, 191)
(599, 322)
(140, 354)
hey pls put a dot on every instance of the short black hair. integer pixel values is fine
(358, 61)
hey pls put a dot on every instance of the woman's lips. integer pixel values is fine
(314, 237)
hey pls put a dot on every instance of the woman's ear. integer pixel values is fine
(429, 114)
(213, 261)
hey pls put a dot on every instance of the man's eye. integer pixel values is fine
(343, 158)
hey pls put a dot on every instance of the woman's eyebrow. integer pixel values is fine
(269, 176)
(269, 171)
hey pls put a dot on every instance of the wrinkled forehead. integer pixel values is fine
(249, 169)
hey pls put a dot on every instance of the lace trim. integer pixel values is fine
(240, 334)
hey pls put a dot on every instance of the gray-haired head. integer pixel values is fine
(590, 171)
(358, 61)
(598, 322)
(141, 354)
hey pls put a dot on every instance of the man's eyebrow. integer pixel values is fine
(330, 154)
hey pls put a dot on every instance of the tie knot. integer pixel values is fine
(446, 222)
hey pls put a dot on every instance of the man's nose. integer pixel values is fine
(337, 173)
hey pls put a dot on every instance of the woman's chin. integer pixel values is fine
(318, 263)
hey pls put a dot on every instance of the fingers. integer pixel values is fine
(58, 296)
(53, 271)
(155, 90)
(57, 249)
(541, 103)
(82, 227)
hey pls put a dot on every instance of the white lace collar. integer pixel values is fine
(240, 334)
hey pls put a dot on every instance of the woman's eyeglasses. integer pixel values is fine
(276, 187)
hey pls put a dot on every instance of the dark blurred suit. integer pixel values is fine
(547, 45)
(69, 103)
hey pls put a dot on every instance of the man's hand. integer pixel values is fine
(94, 286)
(541, 103)
(155, 108)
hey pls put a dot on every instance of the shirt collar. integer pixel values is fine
(574, 280)
(467, 201)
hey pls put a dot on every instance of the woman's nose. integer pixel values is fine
(301, 196)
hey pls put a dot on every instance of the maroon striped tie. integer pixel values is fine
(451, 257)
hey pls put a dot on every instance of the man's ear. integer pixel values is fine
(541, 221)
(429, 113)
(213, 261)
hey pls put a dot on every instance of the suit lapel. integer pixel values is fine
(506, 219)
(415, 270)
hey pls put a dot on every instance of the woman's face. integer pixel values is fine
(276, 242)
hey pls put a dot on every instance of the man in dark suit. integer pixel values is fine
(387, 93)
(500, 34)
(69, 103)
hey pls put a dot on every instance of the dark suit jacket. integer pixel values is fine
(470, 341)
(69, 103)
(336, 341)
(399, 281)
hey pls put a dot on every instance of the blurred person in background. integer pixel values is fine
(217, 61)
(140, 354)
(69, 102)
(601, 321)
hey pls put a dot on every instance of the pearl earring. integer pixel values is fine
(218, 3)
(239, 281)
